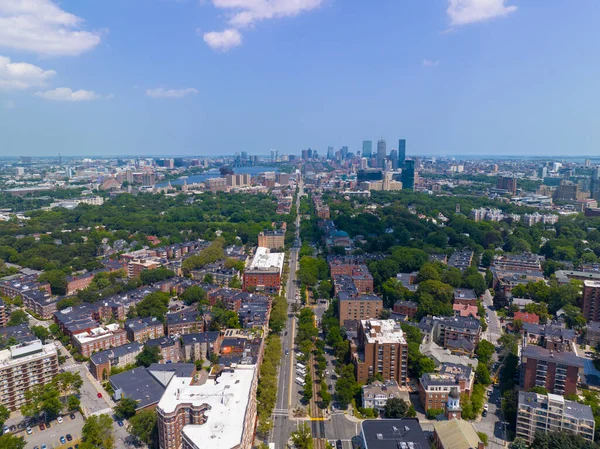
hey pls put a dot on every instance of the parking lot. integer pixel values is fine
(51, 437)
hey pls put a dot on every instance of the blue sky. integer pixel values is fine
(208, 77)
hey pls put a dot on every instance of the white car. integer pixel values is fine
(60, 420)
(29, 431)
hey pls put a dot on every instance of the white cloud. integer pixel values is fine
(223, 40)
(67, 94)
(430, 63)
(245, 13)
(42, 27)
(9, 104)
(463, 12)
(22, 75)
(161, 92)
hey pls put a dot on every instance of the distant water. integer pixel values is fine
(215, 173)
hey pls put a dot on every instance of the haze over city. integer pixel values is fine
(469, 77)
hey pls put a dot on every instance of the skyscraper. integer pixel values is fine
(595, 184)
(408, 175)
(401, 152)
(330, 153)
(394, 159)
(367, 148)
(381, 152)
(344, 152)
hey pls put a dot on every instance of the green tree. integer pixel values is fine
(42, 398)
(428, 272)
(518, 443)
(4, 415)
(40, 332)
(9, 441)
(346, 386)
(57, 280)
(395, 408)
(482, 374)
(560, 440)
(18, 317)
(193, 295)
(538, 390)
(302, 437)
(126, 407)
(432, 413)
(208, 278)
(148, 356)
(483, 437)
(67, 382)
(235, 282)
(98, 432)
(73, 402)
(143, 426)
(154, 304)
(485, 351)
(307, 392)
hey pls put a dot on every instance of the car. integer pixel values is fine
(484, 413)
(48, 425)
(42, 427)
(62, 440)
(44, 446)
(72, 416)
(338, 444)
(287, 351)
(13, 428)
(99, 395)
(77, 446)
(5, 429)
(486, 407)
(69, 437)
(70, 447)
(36, 447)
(329, 387)
(29, 431)
(59, 419)
(120, 423)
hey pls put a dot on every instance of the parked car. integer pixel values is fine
(59, 419)
(13, 428)
(69, 437)
(120, 423)
(72, 416)
(99, 395)
(62, 440)
(29, 431)
(42, 427)
(5, 429)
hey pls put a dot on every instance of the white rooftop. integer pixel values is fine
(389, 331)
(26, 352)
(97, 333)
(228, 399)
(266, 260)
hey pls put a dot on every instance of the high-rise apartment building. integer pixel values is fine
(274, 239)
(24, 366)
(381, 348)
(401, 152)
(381, 153)
(394, 159)
(552, 413)
(4, 315)
(595, 184)
(591, 300)
(367, 148)
(507, 183)
(557, 372)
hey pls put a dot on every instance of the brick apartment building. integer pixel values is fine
(200, 346)
(272, 239)
(359, 307)
(408, 308)
(23, 366)
(170, 348)
(557, 372)
(434, 388)
(4, 315)
(465, 297)
(99, 339)
(142, 329)
(135, 267)
(186, 321)
(381, 349)
(264, 272)
(121, 356)
(222, 410)
(591, 300)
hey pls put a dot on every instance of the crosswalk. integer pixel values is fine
(281, 412)
(68, 367)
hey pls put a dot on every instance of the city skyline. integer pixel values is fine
(460, 77)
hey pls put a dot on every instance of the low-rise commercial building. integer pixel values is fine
(24, 366)
(403, 433)
(552, 413)
(456, 434)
